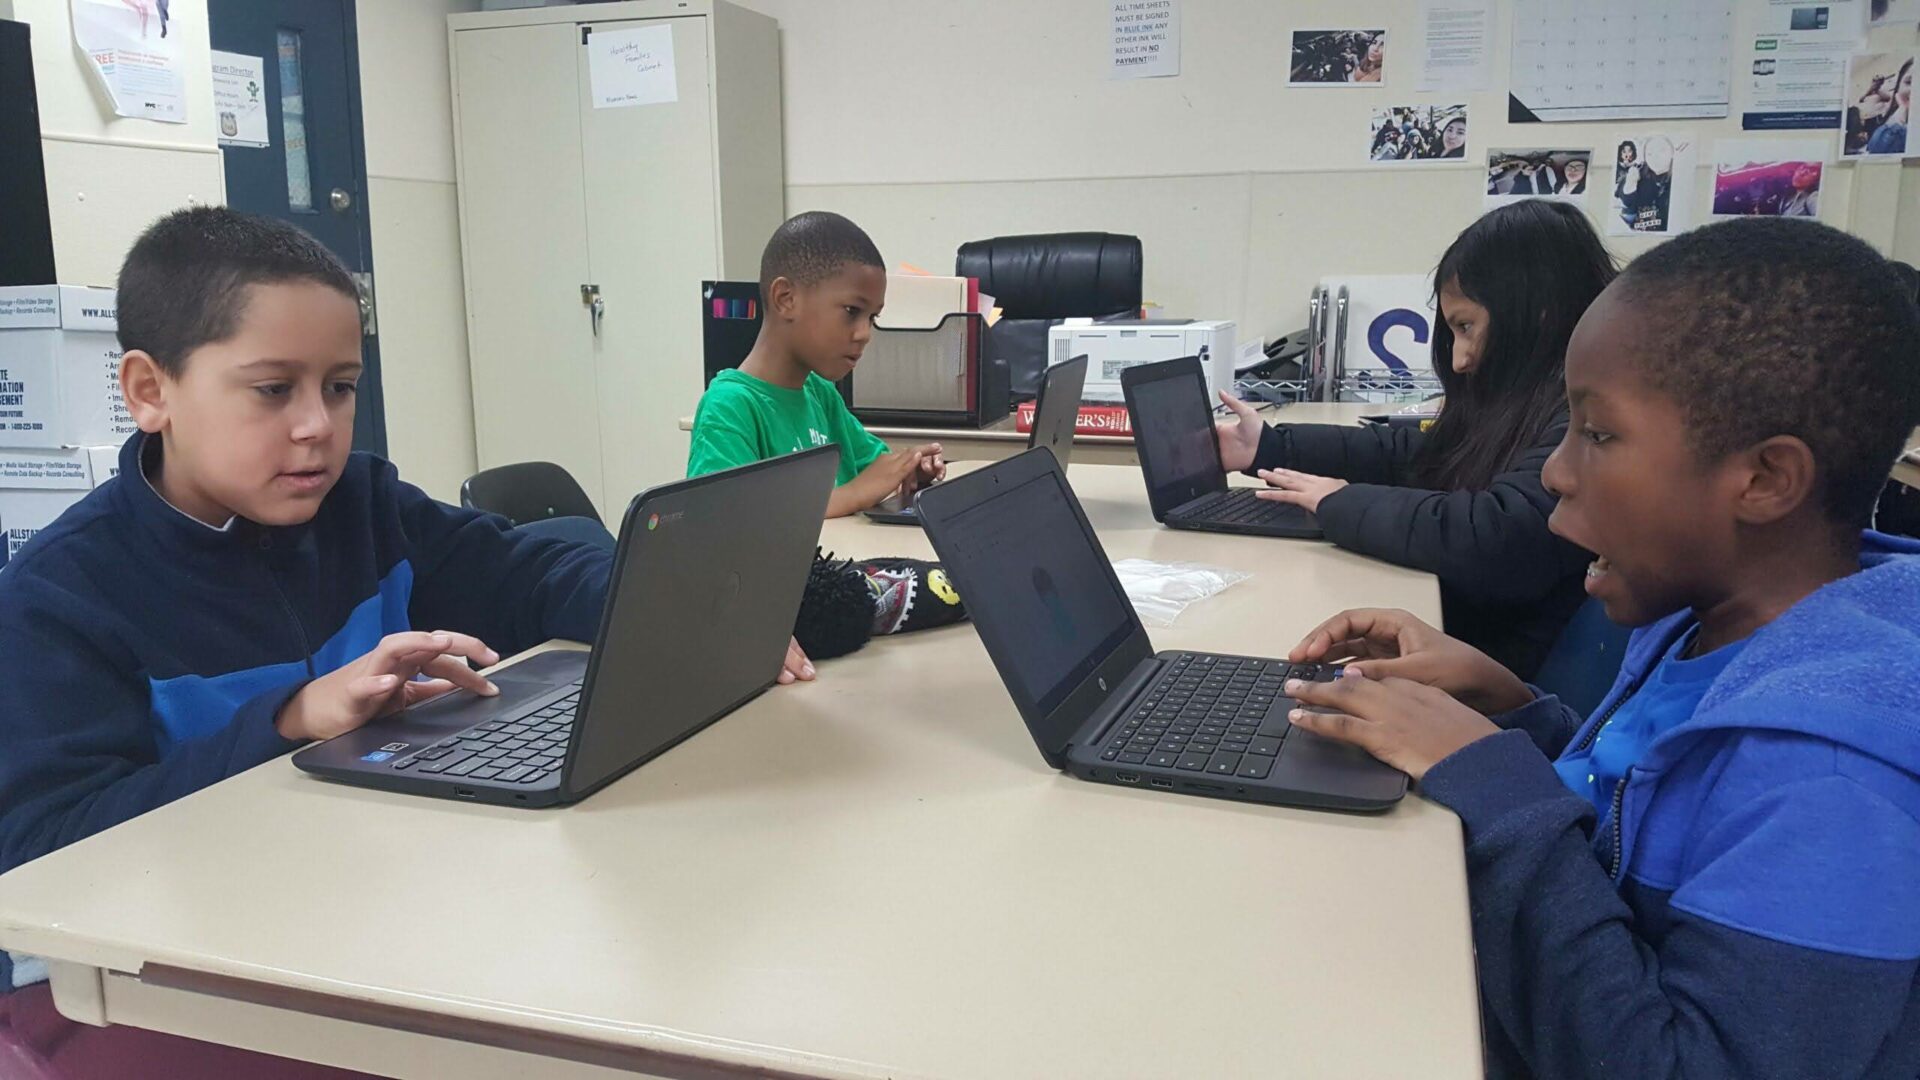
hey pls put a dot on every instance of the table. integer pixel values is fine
(1000, 440)
(874, 875)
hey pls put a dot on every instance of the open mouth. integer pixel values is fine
(1597, 573)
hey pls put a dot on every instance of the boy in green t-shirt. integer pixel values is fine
(822, 284)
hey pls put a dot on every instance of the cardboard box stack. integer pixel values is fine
(61, 417)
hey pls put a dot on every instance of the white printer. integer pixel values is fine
(1112, 347)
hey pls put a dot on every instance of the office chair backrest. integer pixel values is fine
(528, 491)
(1057, 275)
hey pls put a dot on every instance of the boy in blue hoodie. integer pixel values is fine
(244, 585)
(1719, 873)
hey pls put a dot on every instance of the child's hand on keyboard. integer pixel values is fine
(1409, 726)
(1304, 490)
(381, 683)
(1386, 643)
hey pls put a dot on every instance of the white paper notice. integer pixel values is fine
(1797, 68)
(133, 49)
(239, 99)
(632, 67)
(1146, 38)
(1457, 56)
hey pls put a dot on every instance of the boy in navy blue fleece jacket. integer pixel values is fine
(1719, 873)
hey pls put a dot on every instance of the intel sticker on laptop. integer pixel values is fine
(376, 755)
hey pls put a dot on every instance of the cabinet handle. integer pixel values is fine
(597, 308)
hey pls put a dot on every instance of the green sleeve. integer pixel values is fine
(859, 447)
(726, 433)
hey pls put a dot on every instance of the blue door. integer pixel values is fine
(313, 172)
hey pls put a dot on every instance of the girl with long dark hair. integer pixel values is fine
(1464, 499)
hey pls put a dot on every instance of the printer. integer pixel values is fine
(1113, 347)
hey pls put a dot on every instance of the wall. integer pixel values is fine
(932, 123)
(109, 177)
(415, 218)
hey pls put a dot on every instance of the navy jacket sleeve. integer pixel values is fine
(1356, 453)
(476, 574)
(1549, 723)
(1492, 544)
(80, 748)
(1577, 988)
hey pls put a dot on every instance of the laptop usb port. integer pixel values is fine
(1128, 777)
(1159, 781)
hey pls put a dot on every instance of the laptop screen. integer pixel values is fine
(1173, 433)
(1043, 589)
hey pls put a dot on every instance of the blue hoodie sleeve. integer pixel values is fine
(80, 753)
(1578, 988)
(476, 574)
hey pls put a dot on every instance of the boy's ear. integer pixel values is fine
(1780, 477)
(144, 387)
(783, 298)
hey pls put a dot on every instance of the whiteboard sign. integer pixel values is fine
(632, 67)
(239, 89)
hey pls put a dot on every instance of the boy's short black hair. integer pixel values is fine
(1769, 327)
(808, 248)
(184, 284)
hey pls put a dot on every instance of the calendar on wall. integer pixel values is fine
(1621, 59)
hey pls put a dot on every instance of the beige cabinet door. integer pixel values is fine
(653, 234)
(530, 337)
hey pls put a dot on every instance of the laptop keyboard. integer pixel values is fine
(1209, 714)
(521, 750)
(1241, 507)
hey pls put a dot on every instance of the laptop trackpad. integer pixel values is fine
(1309, 762)
(433, 720)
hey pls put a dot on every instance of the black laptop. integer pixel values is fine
(1099, 701)
(706, 581)
(1180, 458)
(1056, 413)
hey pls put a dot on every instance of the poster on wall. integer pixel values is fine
(1768, 177)
(1880, 106)
(1797, 67)
(1338, 58)
(1145, 37)
(1417, 133)
(1653, 185)
(133, 49)
(239, 99)
(1536, 173)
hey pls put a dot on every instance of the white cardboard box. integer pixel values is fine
(37, 486)
(60, 368)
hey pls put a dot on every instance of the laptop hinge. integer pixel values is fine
(1117, 702)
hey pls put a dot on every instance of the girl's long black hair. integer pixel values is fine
(1535, 266)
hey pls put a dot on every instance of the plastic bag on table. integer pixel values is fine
(1161, 591)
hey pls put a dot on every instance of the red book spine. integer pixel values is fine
(1093, 419)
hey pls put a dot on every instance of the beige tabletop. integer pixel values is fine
(874, 875)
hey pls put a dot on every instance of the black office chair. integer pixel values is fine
(526, 492)
(1039, 280)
